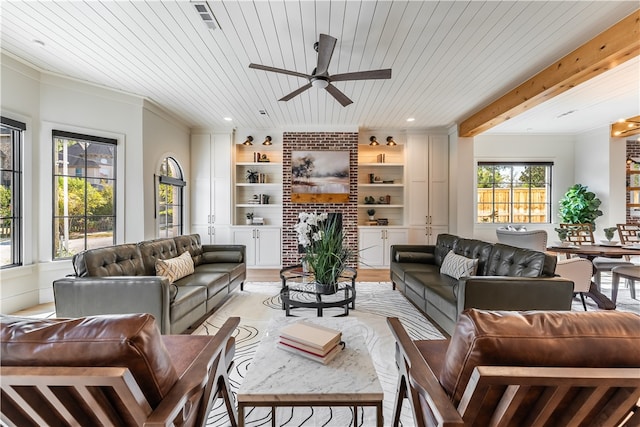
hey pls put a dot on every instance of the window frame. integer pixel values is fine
(515, 164)
(18, 130)
(177, 182)
(92, 139)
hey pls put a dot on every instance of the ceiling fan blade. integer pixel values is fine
(363, 75)
(295, 92)
(279, 70)
(326, 44)
(338, 95)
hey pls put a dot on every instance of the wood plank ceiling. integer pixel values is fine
(448, 58)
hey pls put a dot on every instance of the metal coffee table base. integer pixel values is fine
(316, 301)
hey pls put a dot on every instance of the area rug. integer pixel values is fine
(260, 302)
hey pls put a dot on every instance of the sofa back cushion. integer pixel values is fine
(511, 261)
(474, 249)
(192, 244)
(153, 250)
(119, 260)
(129, 340)
(538, 338)
(444, 244)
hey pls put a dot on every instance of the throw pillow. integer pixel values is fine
(175, 268)
(458, 266)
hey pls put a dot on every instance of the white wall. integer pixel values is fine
(46, 102)
(558, 149)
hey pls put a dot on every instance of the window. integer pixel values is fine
(84, 177)
(514, 192)
(11, 136)
(170, 199)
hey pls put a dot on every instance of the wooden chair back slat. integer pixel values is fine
(579, 234)
(629, 233)
(525, 396)
(75, 396)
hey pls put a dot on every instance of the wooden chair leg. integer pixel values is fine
(401, 394)
(227, 396)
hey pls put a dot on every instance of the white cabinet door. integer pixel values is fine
(268, 247)
(246, 236)
(371, 247)
(417, 161)
(438, 180)
(263, 245)
(375, 245)
(200, 185)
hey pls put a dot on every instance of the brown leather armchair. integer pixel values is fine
(523, 369)
(112, 370)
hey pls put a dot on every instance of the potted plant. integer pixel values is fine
(371, 213)
(562, 235)
(252, 176)
(580, 206)
(609, 232)
(249, 216)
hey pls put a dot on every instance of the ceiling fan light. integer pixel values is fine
(319, 83)
(374, 141)
(267, 141)
(390, 141)
(248, 141)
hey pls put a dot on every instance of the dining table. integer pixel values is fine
(592, 251)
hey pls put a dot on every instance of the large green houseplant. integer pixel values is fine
(579, 206)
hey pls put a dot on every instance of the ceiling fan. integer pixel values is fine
(320, 77)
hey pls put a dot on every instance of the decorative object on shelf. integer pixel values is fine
(382, 221)
(391, 142)
(263, 158)
(322, 240)
(381, 158)
(580, 206)
(248, 141)
(371, 213)
(249, 216)
(369, 200)
(374, 141)
(371, 178)
(252, 176)
(267, 141)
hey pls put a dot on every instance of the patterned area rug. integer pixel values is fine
(260, 302)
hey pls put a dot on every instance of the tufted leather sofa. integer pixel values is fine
(121, 279)
(507, 278)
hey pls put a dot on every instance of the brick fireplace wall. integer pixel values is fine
(329, 141)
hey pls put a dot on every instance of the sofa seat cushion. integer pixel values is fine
(401, 268)
(212, 281)
(538, 338)
(233, 269)
(187, 299)
(125, 340)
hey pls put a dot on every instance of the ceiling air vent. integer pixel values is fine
(206, 15)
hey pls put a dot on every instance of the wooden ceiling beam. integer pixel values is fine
(607, 50)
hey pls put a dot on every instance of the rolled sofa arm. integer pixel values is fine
(224, 253)
(514, 293)
(412, 249)
(86, 296)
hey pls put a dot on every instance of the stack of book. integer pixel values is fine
(312, 341)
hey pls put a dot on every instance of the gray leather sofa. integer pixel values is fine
(121, 279)
(507, 278)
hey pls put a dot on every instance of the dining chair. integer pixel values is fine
(629, 233)
(578, 270)
(582, 234)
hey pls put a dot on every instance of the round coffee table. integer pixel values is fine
(299, 291)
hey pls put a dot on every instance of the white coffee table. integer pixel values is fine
(278, 378)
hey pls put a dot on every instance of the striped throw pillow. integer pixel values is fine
(175, 268)
(458, 266)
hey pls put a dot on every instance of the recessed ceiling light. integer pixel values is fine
(410, 119)
(566, 113)
(228, 119)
